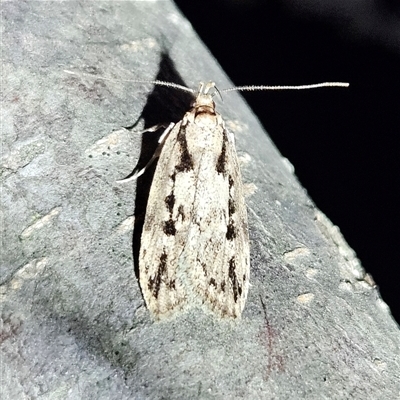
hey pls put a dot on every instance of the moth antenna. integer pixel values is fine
(155, 82)
(298, 87)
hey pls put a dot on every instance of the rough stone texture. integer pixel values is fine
(74, 325)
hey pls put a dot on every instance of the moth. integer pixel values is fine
(195, 242)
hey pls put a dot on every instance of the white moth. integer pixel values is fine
(195, 243)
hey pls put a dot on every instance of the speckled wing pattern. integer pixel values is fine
(195, 245)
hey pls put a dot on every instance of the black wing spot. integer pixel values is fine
(169, 227)
(171, 284)
(231, 207)
(186, 163)
(231, 231)
(181, 212)
(221, 162)
(230, 180)
(236, 287)
(155, 283)
(170, 202)
(212, 282)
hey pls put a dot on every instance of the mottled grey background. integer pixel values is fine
(74, 325)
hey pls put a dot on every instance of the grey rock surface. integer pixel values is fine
(74, 325)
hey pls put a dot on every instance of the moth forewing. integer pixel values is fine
(217, 259)
(162, 288)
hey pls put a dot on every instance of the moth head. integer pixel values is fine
(204, 102)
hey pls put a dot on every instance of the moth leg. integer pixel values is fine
(155, 128)
(136, 173)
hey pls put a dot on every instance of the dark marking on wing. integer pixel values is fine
(181, 212)
(231, 231)
(221, 162)
(231, 207)
(230, 182)
(171, 284)
(223, 285)
(186, 162)
(155, 283)
(212, 282)
(169, 227)
(170, 201)
(204, 266)
(236, 287)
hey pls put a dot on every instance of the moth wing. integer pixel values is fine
(165, 230)
(218, 242)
